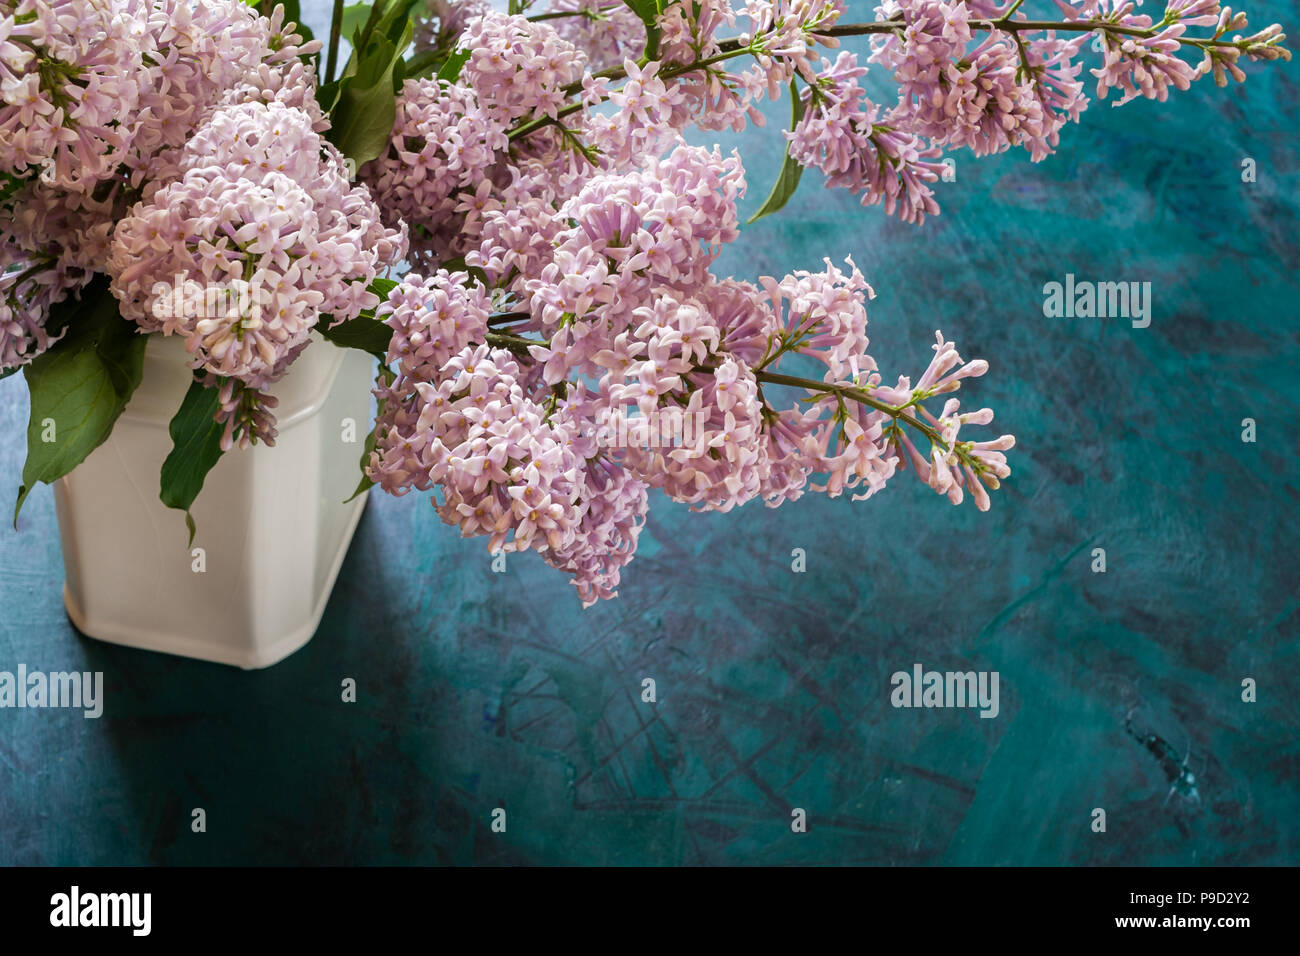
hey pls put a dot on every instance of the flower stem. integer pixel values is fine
(516, 343)
(737, 46)
(896, 412)
(619, 73)
(1007, 25)
(336, 28)
(596, 14)
(857, 394)
(505, 318)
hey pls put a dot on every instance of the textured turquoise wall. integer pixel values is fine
(481, 690)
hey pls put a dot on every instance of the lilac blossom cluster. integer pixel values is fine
(842, 134)
(263, 198)
(178, 143)
(615, 308)
(555, 173)
(980, 74)
(560, 229)
(443, 147)
(607, 31)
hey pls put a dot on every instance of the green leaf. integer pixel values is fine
(366, 106)
(365, 484)
(327, 94)
(376, 63)
(363, 120)
(79, 386)
(385, 374)
(196, 448)
(355, 17)
(364, 332)
(791, 172)
(424, 64)
(10, 184)
(450, 70)
(397, 19)
(649, 11)
(381, 286)
(385, 18)
(399, 76)
(458, 264)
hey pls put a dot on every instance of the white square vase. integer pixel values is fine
(273, 525)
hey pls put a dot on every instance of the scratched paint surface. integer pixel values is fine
(481, 690)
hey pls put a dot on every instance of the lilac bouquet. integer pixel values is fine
(557, 345)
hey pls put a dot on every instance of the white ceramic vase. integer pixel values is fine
(273, 527)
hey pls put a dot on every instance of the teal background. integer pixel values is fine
(481, 690)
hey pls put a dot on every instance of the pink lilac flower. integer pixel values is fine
(854, 452)
(28, 289)
(790, 449)
(244, 412)
(1193, 13)
(264, 201)
(1054, 77)
(614, 512)
(289, 84)
(1137, 65)
(783, 31)
(949, 475)
(69, 71)
(839, 134)
(782, 39)
(72, 229)
(503, 470)
(745, 319)
(645, 121)
(632, 233)
(1009, 90)
(52, 242)
(985, 106)
(952, 468)
(215, 231)
(201, 51)
(712, 98)
(608, 33)
(725, 467)
(823, 315)
(433, 319)
(1265, 45)
(518, 68)
(516, 233)
(254, 138)
(443, 142)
